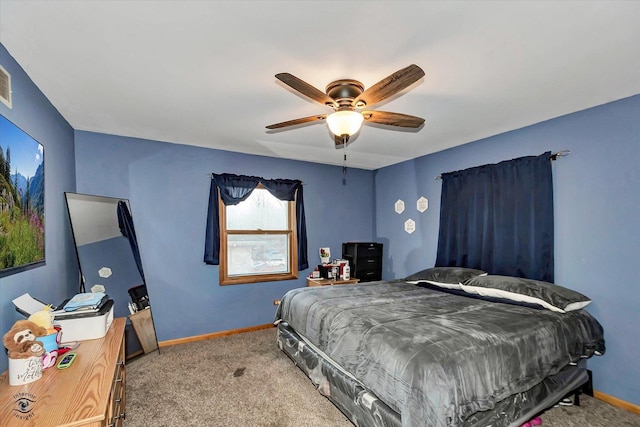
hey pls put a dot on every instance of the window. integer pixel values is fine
(229, 190)
(258, 240)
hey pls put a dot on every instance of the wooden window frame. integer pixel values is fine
(225, 279)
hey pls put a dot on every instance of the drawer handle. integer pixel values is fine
(119, 380)
(114, 419)
(371, 260)
(120, 363)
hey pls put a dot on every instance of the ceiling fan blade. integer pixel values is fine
(390, 85)
(298, 121)
(392, 119)
(306, 89)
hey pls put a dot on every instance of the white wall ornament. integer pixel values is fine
(409, 226)
(399, 206)
(97, 288)
(422, 204)
(104, 272)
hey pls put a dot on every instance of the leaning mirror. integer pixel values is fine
(109, 257)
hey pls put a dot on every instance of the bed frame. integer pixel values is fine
(363, 407)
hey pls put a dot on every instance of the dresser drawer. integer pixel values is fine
(362, 249)
(368, 262)
(116, 411)
(369, 275)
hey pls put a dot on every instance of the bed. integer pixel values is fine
(394, 353)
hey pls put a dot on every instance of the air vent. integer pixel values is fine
(5, 87)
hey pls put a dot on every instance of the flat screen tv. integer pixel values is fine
(21, 200)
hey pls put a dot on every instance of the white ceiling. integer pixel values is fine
(202, 72)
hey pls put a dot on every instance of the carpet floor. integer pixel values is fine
(244, 380)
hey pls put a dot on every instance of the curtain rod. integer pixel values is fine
(554, 156)
(210, 175)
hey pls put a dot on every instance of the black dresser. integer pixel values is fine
(365, 260)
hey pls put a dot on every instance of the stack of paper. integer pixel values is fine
(88, 301)
(27, 305)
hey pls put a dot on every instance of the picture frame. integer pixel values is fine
(22, 200)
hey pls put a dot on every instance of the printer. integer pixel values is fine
(78, 326)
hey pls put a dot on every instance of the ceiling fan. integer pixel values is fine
(349, 97)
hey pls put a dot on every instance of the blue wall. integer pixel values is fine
(35, 115)
(597, 206)
(597, 200)
(168, 189)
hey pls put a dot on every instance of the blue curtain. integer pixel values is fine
(125, 222)
(236, 188)
(499, 218)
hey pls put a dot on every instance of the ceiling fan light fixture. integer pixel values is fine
(344, 122)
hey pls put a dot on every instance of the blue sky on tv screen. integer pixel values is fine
(26, 152)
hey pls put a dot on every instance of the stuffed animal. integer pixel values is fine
(43, 318)
(27, 349)
(21, 340)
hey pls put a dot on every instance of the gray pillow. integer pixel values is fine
(548, 295)
(444, 277)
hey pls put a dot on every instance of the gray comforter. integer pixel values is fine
(434, 357)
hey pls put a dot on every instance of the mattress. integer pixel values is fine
(418, 356)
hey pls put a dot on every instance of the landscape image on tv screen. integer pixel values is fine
(21, 200)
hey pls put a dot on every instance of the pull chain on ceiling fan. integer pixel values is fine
(348, 98)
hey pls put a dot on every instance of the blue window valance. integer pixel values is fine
(233, 189)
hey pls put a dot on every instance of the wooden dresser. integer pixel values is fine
(91, 392)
